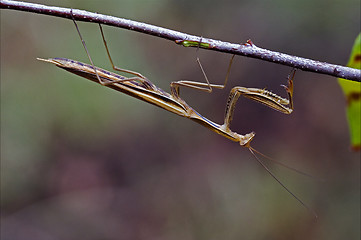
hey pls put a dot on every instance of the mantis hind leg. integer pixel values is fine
(86, 49)
(138, 76)
(111, 60)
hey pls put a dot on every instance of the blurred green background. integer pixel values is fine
(80, 161)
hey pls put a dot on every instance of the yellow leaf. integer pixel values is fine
(352, 92)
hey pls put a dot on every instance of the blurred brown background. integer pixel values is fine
(79, 161)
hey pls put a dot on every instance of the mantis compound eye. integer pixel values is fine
(246, 139)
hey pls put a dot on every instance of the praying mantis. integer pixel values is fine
(140, 87)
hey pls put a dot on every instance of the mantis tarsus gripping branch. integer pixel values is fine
(140, 87)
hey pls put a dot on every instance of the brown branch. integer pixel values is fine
(249, 49)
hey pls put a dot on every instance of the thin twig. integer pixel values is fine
(249, 50)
